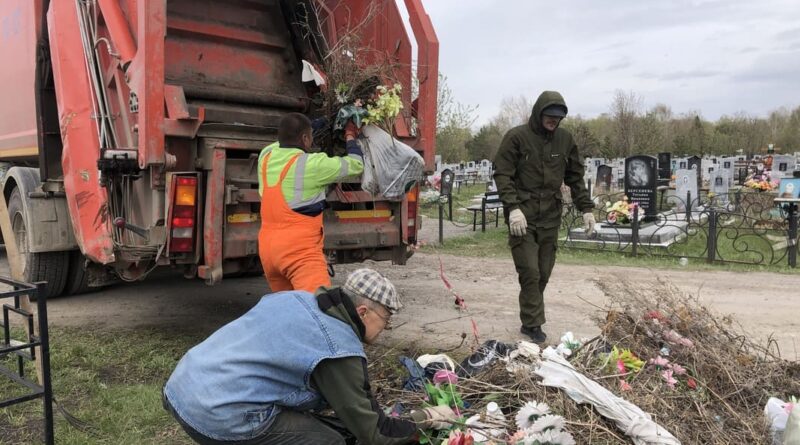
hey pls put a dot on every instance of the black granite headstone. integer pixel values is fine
(742, 175)
(640, 183)
(446, 185)
(664, 165)
(694, 163)
(603, 179)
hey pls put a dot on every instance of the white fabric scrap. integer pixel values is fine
(427, 359)
(310, 73)
(559, 373)
(526, 350)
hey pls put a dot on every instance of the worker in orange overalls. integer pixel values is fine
(293, 184)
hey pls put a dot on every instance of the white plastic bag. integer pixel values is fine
(391, 167)
(792, 434)
(776, 414)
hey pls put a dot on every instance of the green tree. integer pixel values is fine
(453, 124)
(485, 143)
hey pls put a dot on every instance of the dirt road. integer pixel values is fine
(765, 304)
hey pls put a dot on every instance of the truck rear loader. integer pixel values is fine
(130, 130)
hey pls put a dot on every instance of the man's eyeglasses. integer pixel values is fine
(387, 320)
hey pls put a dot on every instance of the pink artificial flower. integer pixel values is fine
(612, 217)
(656, 316)
(669, 379)
(621, 367)
(624, 386)
(458, 438)
(518, 436)
(445, 376)
(677, 369)
(659, 362)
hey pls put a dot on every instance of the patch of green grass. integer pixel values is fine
(494, 244)
(110, 380)
(461, 199)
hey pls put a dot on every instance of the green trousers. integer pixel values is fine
(534, 257)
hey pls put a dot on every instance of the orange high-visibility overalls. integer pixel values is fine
(289, 243)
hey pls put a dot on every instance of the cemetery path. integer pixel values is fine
(765, 303)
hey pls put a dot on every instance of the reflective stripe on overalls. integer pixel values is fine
(289, 243)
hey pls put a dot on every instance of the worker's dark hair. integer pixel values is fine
(292, 126)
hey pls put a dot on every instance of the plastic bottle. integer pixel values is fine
(497, 419)
(493, 412)
(492, 426)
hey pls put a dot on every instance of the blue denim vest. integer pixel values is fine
(231, 386)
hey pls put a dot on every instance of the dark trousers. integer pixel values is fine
(534, 257)
(288, 427)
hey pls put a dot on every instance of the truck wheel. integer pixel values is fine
(77, 278)
(43, 266)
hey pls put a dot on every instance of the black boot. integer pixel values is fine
(535, 333)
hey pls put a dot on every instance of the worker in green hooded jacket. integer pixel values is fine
(530, 166)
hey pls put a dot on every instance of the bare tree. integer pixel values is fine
(514, 111)
(625, 109)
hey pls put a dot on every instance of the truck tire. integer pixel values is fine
(77, 278)
(44, 266)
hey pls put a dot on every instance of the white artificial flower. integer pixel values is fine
(568, 337)
(548, 422)
(564, 350)
(550, 437)
(529, 413)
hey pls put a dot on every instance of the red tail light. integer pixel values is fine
(412, 198)
(184, 210)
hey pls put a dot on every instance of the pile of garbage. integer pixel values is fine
(664, 370)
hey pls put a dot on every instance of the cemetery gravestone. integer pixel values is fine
(664, 166)
(783, 166)
(640, 183)
(603, 180)
(719, 186)
(694, 164)
(742, 175)
(446, 184)
(685, 182)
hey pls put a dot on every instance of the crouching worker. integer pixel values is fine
(263, 378)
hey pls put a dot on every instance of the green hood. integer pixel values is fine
(545, 99)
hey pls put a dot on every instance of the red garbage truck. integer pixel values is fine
(130, 130)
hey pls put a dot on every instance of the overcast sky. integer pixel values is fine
(716, 57)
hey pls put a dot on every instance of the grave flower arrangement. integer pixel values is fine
(621, 212)
(761, 182)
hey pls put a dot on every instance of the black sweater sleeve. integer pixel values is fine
(344, 383)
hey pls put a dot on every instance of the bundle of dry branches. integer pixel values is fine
(732, 375)
(353, 69)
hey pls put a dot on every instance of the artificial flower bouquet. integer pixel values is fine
(761, 182)
(621, 212)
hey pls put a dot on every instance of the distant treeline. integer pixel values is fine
(627, 129)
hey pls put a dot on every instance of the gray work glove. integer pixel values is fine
(588, 223)
(439, 417)
(517, 224)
